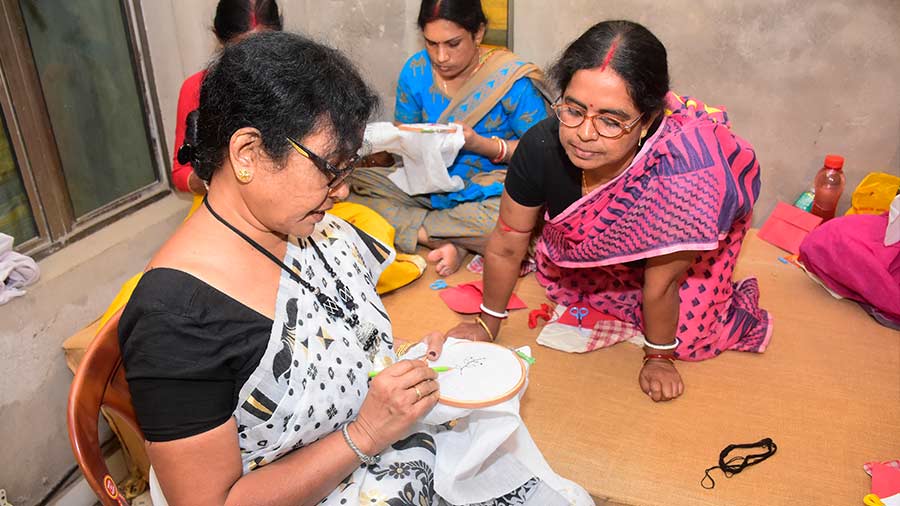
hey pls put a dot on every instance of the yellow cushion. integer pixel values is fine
(405, 269)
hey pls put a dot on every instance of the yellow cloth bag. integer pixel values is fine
(128, 288)
(874, 194)
(403, 271)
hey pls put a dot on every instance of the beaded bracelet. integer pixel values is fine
(504, 315)
(662, 347)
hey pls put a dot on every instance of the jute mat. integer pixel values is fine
(827, 391)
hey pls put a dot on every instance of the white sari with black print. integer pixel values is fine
(314, 374)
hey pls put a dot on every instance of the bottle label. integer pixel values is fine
(805, 201)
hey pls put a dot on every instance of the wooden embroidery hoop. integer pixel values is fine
(428, 128)
(505, 396)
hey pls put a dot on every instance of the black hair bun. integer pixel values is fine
(185, 154)
(188, 151)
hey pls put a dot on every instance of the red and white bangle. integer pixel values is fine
(502, 316)
(662, 356)
(504, 149)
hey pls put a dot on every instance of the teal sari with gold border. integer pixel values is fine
(501, 99)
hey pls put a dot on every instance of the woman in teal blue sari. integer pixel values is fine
(494, 95)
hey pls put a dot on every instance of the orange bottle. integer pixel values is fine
(829, 185)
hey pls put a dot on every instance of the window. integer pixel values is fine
(15, 212)
(79, 145)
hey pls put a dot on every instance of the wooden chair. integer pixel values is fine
(99, 384)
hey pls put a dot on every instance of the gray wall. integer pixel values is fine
(377, 34)
(76, 286)
(799, 78)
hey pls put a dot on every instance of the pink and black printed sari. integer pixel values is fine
(690, 188)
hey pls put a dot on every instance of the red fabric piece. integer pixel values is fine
(891, 463)
(467, 297)
(587, 322)
(543, 313)
(188, 100)
(787, 227)
(609, 332)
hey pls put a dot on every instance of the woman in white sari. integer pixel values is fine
(248, 342)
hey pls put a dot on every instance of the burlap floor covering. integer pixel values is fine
(827, 391)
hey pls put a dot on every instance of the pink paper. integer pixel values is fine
(885, 480)
(867, 467)
(788, 226)
(467, 297)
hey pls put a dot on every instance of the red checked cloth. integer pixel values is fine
(891, 463)
(476, 265)
(597, 331)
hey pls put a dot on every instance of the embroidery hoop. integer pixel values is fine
(428, 128)
(513, 368)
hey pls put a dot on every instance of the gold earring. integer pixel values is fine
(244, 176)
(641, 140)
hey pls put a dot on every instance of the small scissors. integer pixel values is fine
(579, 313)
(872, 500)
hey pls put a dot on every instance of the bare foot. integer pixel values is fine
(449, 258)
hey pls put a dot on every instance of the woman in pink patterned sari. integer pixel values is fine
(646, 197)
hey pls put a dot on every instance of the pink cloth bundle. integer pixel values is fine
(849, 256)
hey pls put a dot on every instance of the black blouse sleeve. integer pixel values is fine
(187, 350)
(525, 175)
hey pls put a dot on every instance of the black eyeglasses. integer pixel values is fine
(336, 175)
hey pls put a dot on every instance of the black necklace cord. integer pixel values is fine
(736, 464)
(250, 241)
(330, 306)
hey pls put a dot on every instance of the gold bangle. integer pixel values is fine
(485, 327)
(403, 348)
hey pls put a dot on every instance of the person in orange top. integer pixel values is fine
(234, 20)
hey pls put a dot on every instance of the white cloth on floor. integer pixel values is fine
(490, 452)
(16, 270)
(571, 339)
(426, 156)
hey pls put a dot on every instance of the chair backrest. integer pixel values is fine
(99, 383)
